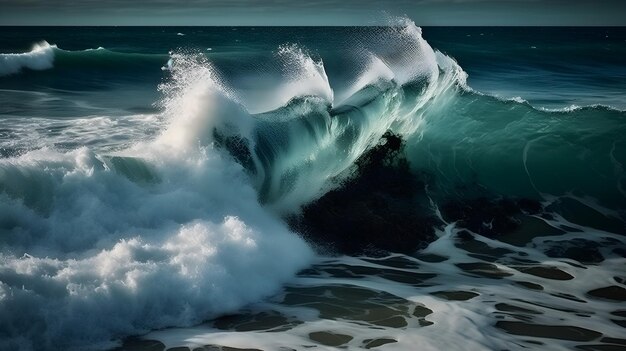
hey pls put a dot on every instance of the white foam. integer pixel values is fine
(517, 99)
(106, 247)
(403, 49)
(170, 231)
(569, 108)
(374, 71)
(301, 76)
(41, 57)
(313, 152)
(458, 324)
(198, 102)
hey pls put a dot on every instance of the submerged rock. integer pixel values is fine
(489, 217)
(380, 208)
(384, 207)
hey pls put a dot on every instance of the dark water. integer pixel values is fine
(548, 66)
(147, 176)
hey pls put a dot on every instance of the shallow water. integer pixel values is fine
(560, 291)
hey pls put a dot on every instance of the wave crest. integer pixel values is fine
(184, 227)
(40, 57)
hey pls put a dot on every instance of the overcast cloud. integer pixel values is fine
(316, 12)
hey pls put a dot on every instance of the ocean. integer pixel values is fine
(296, 188)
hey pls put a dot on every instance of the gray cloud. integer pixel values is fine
(322, 12)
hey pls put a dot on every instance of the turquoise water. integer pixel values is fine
(149, 178)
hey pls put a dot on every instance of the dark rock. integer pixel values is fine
(375, 211)
(465, 235)
(530, 207)
(238, 147)
(489, 217)
(384, 207)
(584, 251)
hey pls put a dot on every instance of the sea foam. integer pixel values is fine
(172, 231)
(41, 57)
(168, 233)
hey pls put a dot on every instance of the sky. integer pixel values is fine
(313, 12)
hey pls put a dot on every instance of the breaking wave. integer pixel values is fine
(41, 57)
(182, 228)
(44, 56)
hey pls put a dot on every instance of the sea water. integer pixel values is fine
(127, 221)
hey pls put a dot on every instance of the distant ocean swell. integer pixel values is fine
(44, 56)
(187, 226)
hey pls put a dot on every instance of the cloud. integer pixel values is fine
(323, 12)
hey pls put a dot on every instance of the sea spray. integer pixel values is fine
(41, 57)
(115, 221)
(97, 247)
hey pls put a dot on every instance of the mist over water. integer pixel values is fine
(144, 187)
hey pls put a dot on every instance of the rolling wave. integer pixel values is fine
(41, 57)
(166, 232)
(44, 56)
